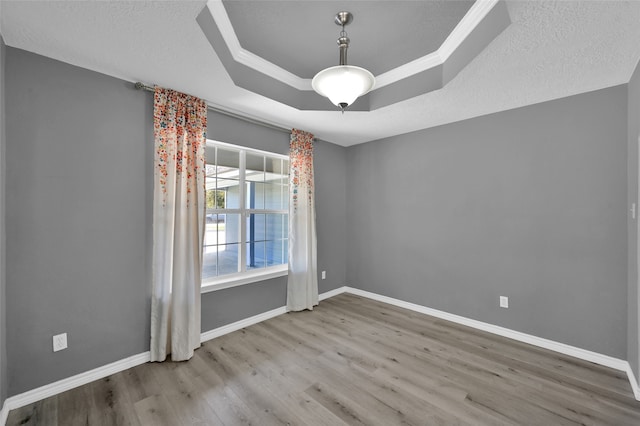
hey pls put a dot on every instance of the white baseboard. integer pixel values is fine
(63, 385)
(597, 358)
(605, 360)
(633, 382)
(60, 386)
(229, 328)
(332, 293)
(4, 413)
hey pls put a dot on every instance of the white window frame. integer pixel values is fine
(254, 275)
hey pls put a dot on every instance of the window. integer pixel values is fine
(247, 223)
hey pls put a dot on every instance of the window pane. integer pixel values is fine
(223, 172)
(228, 255)
(274, 166)
(211, 229)
(277, 225)
(231, 189)
(276, 252)
(277, 171)
(228, 228)
(256, 227)
(227, 158)
(215, 199)
(264, 185)
(255, 195)
(273, 197)
(210, 263)
(210, 179)
(253, 176)
(285, 197)
(256, 255)
(254, 167)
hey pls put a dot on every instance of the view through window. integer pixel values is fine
(247, 200)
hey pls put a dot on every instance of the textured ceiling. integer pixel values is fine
(301, 36)
(552, 49)
(420, 74)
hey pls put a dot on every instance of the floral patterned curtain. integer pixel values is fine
(180, 125)
(302, 286)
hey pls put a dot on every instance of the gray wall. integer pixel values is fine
(79, 173)
(3, 328)
(528, 203)
(225, 306)
(633, 299)
(330, 174)
(79, 187)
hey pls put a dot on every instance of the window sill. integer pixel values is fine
(243, 278)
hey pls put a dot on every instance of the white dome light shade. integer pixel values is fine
(343, 84)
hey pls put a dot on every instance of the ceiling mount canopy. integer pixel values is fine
(343, 84)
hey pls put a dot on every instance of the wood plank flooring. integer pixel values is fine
(352, 361)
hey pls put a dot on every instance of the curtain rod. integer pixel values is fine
(142, 86)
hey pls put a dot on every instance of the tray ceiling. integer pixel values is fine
(550, 49)
(301, 36)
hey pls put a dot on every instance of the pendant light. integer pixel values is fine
(343, 84)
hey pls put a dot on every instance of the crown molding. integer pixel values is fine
(250, 59)
(467, 24)
(407, 70)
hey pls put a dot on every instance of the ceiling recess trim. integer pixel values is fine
(467, 24)
(250, 59)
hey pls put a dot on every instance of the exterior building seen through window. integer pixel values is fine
(247, 204)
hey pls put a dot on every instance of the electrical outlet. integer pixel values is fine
(504, 302)
(324, 275)
(59, 342)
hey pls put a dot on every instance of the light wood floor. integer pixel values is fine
(351, 361)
